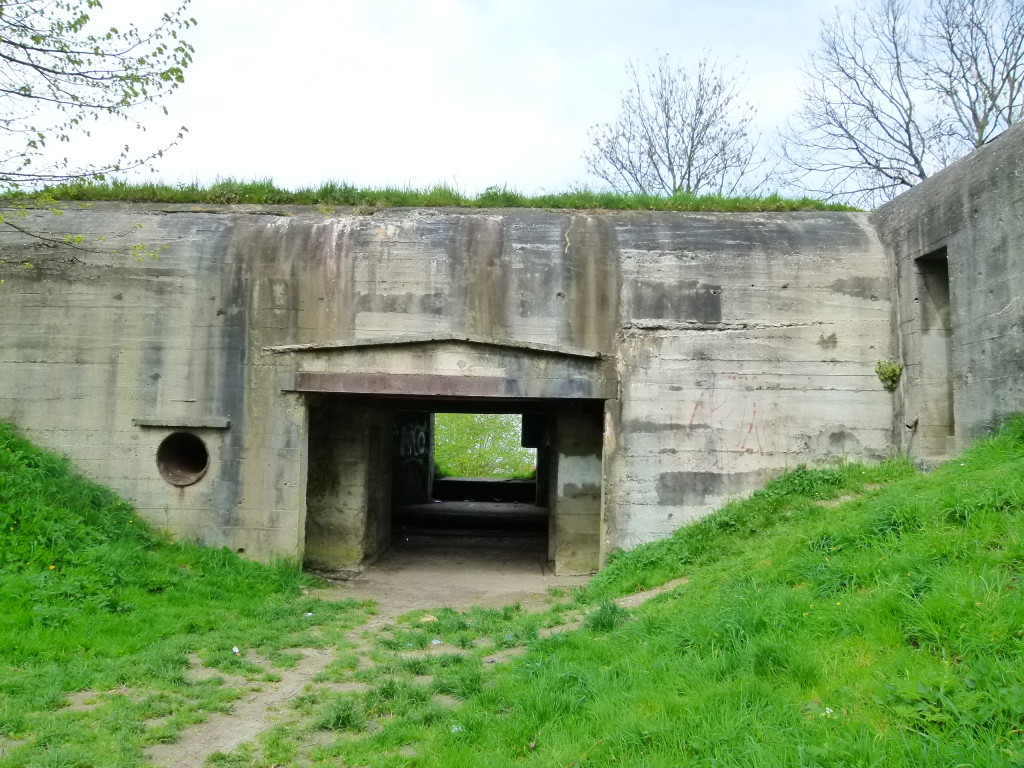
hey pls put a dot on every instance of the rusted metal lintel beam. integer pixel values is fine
(424, 339)
(428, 385)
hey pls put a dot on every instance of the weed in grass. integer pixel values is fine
(399, 639)
(417, 667)
(428, 713)
(464, 640)
(339, 669)
(341, 713)
(279, 745)
(394, 697)
(226, 660)
(461, 682)
(307, 701)
(606, 617)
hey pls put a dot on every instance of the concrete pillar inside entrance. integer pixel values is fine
(575, 493)
(348, 499)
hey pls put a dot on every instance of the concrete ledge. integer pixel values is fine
(185, 422)
(425, 385)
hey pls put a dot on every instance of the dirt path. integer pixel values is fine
(412, 576)
(251, 715)
(424, 573)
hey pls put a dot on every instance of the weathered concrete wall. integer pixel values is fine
(725, 346)
(964, 362)
(747, 344)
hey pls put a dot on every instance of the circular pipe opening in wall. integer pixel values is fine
(182, 458)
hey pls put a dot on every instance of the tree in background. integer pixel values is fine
(58, 77)
(678, 131)
(897, 90)
(481, 445)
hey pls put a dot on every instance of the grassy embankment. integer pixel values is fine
(885, 629)
(264, 192)
(846, 616)
(92, 600)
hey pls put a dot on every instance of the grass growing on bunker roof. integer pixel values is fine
(367, 200)
(94, 602)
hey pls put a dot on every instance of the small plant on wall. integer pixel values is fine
(889, 372)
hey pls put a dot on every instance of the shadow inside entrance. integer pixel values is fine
(432, 571)
(481, 518)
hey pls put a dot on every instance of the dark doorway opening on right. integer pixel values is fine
(937, 426)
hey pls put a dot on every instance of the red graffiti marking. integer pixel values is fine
(752, 429)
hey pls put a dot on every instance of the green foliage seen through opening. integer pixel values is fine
(481, 445)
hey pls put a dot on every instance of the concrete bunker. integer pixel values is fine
(369, 465)
(720, 348)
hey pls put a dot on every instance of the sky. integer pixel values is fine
(468, 93)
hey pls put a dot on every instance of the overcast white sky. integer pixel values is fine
(465, 92)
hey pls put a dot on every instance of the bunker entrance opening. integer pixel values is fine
(456, 475)
(470, 474)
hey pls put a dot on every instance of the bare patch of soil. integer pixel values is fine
(639, 598)
(9, 745)
(832, 503)
(83, 701)
(422, 572)
(198, 673)
(87, 700)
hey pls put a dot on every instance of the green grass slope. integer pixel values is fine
(846, 616)
(887, 630)
(92, 600)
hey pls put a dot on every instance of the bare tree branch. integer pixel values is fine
(897, 89)
(978, 66)
(677, 131)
